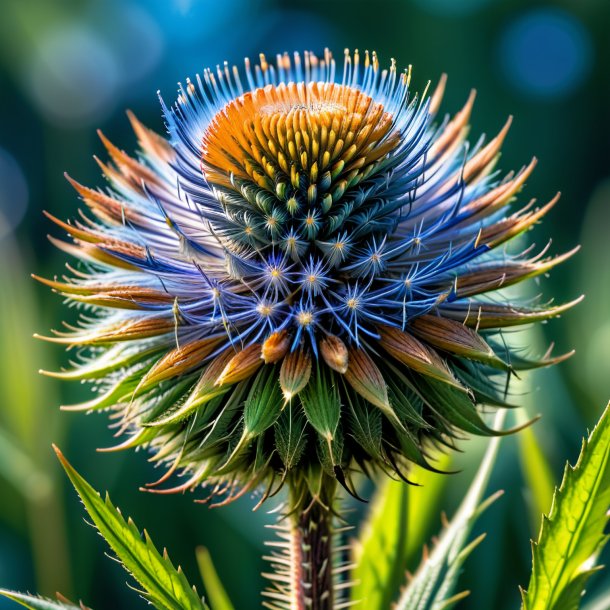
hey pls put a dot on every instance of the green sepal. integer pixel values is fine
(331, 453)
(121, 391)
(523, 363)
(290, 435)
(322, 404)
(170, 407)
(264, 402)
(454, 406)
(411, 448)
(366, 425)
(223, 426)
(112, 360)
(486, 384)
(261, 410)
(405, 402)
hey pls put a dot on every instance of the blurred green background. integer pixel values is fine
(69, 67)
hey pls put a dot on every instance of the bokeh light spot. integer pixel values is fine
(73, 76)
(546, 53)
(137, 41)
(188, 22)
(13, 194)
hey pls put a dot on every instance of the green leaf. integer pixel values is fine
(380, 556)
(432, 586)
(572, 535)
(33, 602)
(424, 503)
(218, 597)
(165, 587)
(536, 471)
(394, 531)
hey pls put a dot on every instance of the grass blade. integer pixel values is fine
(217, 594)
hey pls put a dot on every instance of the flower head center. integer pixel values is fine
(297, 147)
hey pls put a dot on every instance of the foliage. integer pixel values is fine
(432, 586)
(564, 556)
(165, 587)
(572, 535)
(218, 597)
(393, 534)
(537, 474)
(34, 602)
(381, 551)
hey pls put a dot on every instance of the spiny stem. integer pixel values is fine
(312, 531)
(303, 558)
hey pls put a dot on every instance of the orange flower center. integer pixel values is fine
(298, 141)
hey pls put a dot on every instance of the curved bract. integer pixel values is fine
(298, 282)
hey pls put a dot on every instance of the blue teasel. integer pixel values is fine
(295, 287)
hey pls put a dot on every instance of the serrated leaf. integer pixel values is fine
(218, 597)
(572, 535)
(164, 586)
(432, 586)
(571, 596)
(34, 602)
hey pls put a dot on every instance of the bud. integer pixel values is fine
(275, 347)
(335, 353)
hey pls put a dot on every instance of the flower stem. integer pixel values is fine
(303, 576)
(312, 532)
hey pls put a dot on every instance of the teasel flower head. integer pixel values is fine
(302, 281)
